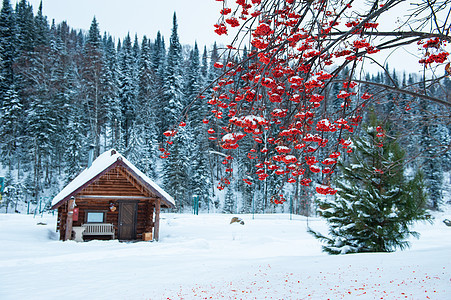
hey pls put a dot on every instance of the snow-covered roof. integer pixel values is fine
(99, 165)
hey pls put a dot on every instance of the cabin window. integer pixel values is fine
(95, 217)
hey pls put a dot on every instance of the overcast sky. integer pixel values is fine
(195, 19)
(144, 17)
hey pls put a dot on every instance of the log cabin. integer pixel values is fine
(110, 199)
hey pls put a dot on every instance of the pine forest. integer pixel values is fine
(63, 91)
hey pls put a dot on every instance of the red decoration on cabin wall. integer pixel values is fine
(75, 215)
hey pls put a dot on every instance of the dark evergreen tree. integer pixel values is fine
(41, 35)
(61, 91)
(127, 92)
(204, 66)
(193, 84)
(7, 47)
(229, 201)
(35, 76)
(41, 128)
(74, 157)
(110, 81)
(173, 84)
(213, 72)
(145, 74)
(25, 28)
(430, 142)
(198, 144)
(158, 58)
(136, 48)
(145, 120)
(375, 204)
(93, 87)
(175, 170)
(10, 120)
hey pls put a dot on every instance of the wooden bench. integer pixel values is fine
(98, 229)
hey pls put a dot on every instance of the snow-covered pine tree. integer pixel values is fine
(432, 164)
(145, 75)
(141, 149)
(25, 28)
(213, 160)
(375, 204)
(146, 118)
(213, 73)
(193, 84)
(198, 145)
(229, 201)
(175, 167)
(74, 158)
(136, 49)
(36, 73)
(158, 66)
(41, 128)
(10, 120)
(430, 143)
(444, 150)
(59, 90)
(42, 27)
(127, 91)
(173, 80)
(92, 73)
(388, 105)
(110, 80)
(204, 66)
(7, 47)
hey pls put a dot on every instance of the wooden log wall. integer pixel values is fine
(144, 220)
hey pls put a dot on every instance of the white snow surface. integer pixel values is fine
(101, 163)
(206, 257)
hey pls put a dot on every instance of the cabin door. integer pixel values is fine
(127, 220)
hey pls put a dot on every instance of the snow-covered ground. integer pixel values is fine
(205, 257)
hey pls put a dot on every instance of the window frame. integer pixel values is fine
(87, 212)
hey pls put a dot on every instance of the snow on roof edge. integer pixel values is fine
(101, 163)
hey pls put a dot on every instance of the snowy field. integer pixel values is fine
(205, 257)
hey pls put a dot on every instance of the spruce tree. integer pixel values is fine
(158, 58)
(92, 73)
(198, 145)
(375, 204)
(10, 120)
(175, 170)
(74, 160)
(127, 92)
(111, 97)
(42, 27)
(173, 84)
(7, 47)
(25, 27)
(431, 139)
(146, 118)
(229, 201)
(432, 165)
(204, 67)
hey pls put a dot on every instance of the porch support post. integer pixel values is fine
(149, 216)
(70, 214)
(156, 229)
